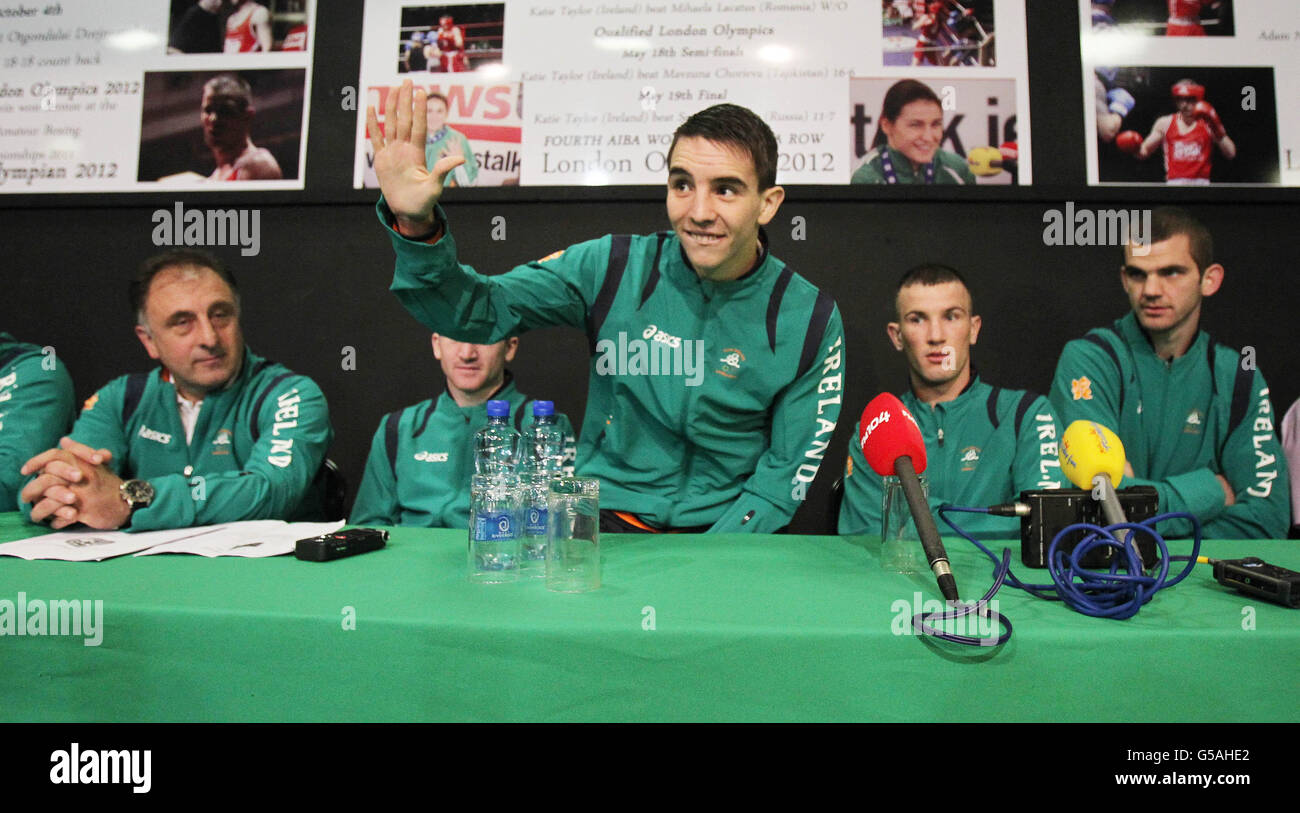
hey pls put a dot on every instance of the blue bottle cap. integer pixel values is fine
(498, 409)
(543, 408)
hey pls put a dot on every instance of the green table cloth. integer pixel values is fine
(684, 628)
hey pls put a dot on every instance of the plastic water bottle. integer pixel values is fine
(543, 460)
(543, 441)
(495, 532)
(496, 446)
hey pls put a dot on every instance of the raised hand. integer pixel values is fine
(409, 187)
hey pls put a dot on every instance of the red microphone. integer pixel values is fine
(888, 432)
(892, 444)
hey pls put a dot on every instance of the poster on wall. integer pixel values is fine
(456, 53)
(1185, 92)
(142, 95)
(582, 94)
(949, 100)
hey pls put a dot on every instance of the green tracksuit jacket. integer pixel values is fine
(421, 459)
(257, 445)
(950, 168)
(36, 409)
(1181, 424)
(983, 448)
(734, 440)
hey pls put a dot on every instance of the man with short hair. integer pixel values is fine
(36, 408)
(984, 444)
(215, 434)
(1194, 416)
(226, 113)
(730, 448)
(422, 457)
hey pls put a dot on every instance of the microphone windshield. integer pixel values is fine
(889, 432)
(1089, 449)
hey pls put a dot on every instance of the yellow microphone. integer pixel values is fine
(1092, 457)
(1089, 449)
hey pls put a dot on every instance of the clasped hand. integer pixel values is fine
(74, 484)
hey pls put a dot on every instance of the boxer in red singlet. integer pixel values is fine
(1187, 138)
(1185, 17)
(248, 28)
(449, 43)
(227, 115)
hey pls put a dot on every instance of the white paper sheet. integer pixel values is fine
(258, 538)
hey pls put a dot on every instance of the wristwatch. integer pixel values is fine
(137, 493)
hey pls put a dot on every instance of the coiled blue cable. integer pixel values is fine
(1111, 594)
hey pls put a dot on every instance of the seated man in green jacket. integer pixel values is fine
(422, 457)
(214, 434)
(984, 444)
(36, 408)
(716, 371)
(1194, 416)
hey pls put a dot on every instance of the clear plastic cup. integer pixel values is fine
(900, 544)
(573, 535)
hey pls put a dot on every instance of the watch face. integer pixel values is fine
(138, 492)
